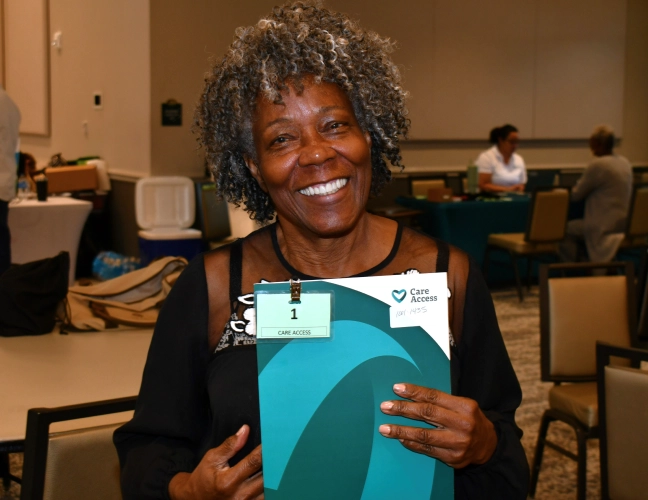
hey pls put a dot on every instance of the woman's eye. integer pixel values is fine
(336, 125)
(278, 140)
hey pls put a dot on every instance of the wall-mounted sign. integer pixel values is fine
(171, 113)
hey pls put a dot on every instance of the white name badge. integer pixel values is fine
(278, 317)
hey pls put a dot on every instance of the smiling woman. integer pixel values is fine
(298, 120)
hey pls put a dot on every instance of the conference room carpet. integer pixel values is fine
(520, 325)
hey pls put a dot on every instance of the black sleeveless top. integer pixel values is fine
(232, 370)
(196, 391)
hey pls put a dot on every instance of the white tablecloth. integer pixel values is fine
(41, 229)
(59, 370)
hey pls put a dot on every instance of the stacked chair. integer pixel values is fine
(623, 422)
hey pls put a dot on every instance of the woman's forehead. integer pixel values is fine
(305, 93)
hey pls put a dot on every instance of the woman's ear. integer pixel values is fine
(256, 172)
(367, 136)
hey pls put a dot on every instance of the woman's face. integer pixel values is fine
(312, 158)
(508, 146)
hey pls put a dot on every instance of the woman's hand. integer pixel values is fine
(463, 435)
(214, 479)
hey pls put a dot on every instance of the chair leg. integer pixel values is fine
(581, 486)
(529, 271)
(4, 470)
(516, 271)
(537, 458)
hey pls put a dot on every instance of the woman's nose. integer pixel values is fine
(315, 151)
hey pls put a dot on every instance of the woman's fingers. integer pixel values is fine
(219, 457)
(438, 443)
(426, 395)
(463, 435)
(248, 468)
(254, 486)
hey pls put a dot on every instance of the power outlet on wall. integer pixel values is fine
(97, 100)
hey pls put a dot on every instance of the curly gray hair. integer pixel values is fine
(294, 41)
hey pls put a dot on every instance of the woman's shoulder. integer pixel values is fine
(518, 160)
(219, 258)
(487, 158)
(418, 246)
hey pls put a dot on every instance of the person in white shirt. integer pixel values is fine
(9, 123)
(500, 167)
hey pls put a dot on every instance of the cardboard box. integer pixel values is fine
(73, 178)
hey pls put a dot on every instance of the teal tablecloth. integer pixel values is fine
(467, 224)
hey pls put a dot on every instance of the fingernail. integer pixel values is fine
(240, 431)
(384, 429)
(399, 388)
(386, 405)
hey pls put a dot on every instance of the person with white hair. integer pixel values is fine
(606, 187)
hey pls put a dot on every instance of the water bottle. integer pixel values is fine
(23, 187)
(472, 179)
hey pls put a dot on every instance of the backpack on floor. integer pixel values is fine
(30, 295)
(133, 299)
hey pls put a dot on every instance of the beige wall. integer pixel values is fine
(184, 37)
(139, 54)
(106, 48)
(634, 144)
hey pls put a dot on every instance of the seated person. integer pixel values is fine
(298, 121)
(606, 187)
(27, 167)
(500, 168)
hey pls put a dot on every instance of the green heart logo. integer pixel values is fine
(399, 295)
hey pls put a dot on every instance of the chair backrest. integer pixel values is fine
(439, 195)
(577, 311)
(76, 464)
(82, 464)
(569, 178)
(540, 178)
(548, 216)
(623, 413)
(420, 187)
(638, 213)
(212, 216)
(642, 302)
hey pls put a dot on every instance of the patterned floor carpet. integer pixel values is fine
(519, 323)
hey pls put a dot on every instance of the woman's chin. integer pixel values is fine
(331, 226)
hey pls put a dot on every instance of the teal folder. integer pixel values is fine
(320, 397)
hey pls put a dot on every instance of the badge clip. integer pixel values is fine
(295, 290)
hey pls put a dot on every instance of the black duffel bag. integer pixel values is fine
(30, 294)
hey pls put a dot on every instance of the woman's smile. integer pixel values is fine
(328, 188)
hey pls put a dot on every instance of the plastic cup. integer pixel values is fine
(41, 190)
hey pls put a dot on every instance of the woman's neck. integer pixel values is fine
(365, 246)
(504, 156)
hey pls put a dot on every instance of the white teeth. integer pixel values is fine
(324, 189)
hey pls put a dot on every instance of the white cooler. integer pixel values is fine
(165, 208)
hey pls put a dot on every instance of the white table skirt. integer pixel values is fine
(41, 229)
(58, 370)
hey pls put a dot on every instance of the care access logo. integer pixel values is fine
(399, 295)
